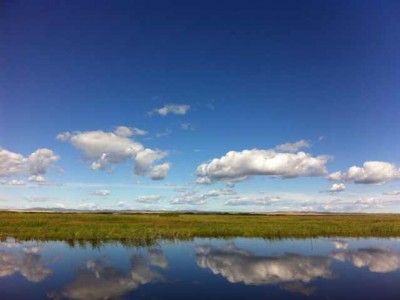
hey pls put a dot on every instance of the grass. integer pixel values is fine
(143, 228)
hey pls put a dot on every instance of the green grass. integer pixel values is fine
(143, 228)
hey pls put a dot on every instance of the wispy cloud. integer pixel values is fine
(148, 199)
(101, 193)
(293, 147)
(176, 109)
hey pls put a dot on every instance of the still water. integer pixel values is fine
(203, 269)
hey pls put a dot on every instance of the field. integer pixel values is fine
(138, 228)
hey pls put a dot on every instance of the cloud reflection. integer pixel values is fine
(376, 260)
(28, 263)
(101, 281)
(290, 271)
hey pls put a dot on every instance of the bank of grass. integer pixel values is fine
(146, 227)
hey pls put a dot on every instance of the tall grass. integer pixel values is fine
(145, 227)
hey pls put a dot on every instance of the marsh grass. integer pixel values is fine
(144, 228)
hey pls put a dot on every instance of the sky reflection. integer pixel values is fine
(201, 268)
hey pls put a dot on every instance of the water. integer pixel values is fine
(203, 269)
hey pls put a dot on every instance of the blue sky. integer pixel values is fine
(206, 92)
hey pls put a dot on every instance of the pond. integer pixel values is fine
(202, 269)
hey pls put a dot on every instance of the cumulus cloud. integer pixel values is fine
(376, 260)
(37, 178)
(124, 131)
(101, 193)
(240, 266)
(11, 163)
(40, 160)
(105, 149)
(337, 187)
(240, 200)
(176, 109)
(148, 198)
(159, 172)
(238, 166)
(36, 164)
(293, 147)
(372, 172)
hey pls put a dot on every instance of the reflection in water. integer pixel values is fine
(239, 265)
(157, 258)
(28, 263)
(116, 271)
(377, 260)
(100, 281)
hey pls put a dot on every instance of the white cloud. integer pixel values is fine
(187, 126)
(337, 187)
(107, 148)
(88, 206)
(11, 163)
(354, 205)
(124, 131)
(238, 166)
(336, 176)
(164, 133)
(15, 182)
(176, 109)
(40, 160)
(200, 197)
(37, 178)
(219, 192)
(148, 198)
(293, 147)
(189, 198)
(392, 193)
(102, 193)
(36, 164)
(240, 200)
(160, 171)
(372, 172)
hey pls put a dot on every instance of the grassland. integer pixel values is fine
(147, 227)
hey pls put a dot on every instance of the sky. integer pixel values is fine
(200, 105)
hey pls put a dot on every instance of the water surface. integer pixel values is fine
(203, 269)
